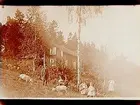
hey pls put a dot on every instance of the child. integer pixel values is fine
(91, 91)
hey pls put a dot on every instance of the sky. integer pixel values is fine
(117, 28)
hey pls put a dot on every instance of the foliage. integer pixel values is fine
(30, 36)
(12, 38)
(82, 13)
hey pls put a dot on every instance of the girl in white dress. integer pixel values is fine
(111, 89)
(111, 86)
(91, 91)
(83, 88)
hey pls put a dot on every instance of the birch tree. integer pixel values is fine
(81, 14)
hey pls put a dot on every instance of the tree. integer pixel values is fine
(1, 42)
(60, 38)
(19, 17)
(87, 53)
(81, 13)
(69, 38)
(72, 42)
(52, 31)
(12, 37)
(28, 44)
(38, 23)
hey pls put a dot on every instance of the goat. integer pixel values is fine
(25, 78)
(60, 88)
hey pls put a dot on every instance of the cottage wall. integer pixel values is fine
(65, 57)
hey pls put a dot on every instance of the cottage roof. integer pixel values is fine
(66, 50)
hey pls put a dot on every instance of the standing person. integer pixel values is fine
(60, 81)
(83, 88)
(91, 90)
(45, 77)
(111, 87)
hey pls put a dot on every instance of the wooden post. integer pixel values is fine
(34, 64)
(44, 61)
(44, 67)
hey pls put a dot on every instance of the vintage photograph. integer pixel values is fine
(70, 51)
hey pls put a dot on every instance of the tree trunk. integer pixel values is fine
(78, 48)
(35, 53)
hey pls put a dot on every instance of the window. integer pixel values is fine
(52, 61)
(61, 53)
(66, 62)
(74, 65)
(53, 51)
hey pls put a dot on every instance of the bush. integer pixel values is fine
(66, 73)
(25, 66)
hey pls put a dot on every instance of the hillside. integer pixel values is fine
(15, 88)
(19, 89)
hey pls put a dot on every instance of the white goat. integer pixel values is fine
(25, 78)
(60, 88)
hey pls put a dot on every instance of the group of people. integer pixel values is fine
(85, 90)
(91, 91)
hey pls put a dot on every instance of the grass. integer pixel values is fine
(15, 88)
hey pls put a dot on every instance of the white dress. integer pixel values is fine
(91, 91)
(83, 88)
(111, 86)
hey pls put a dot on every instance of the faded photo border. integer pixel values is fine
(68, 102)
(70, 2)
(61, 2)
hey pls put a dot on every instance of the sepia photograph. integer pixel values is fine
(86, 52)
